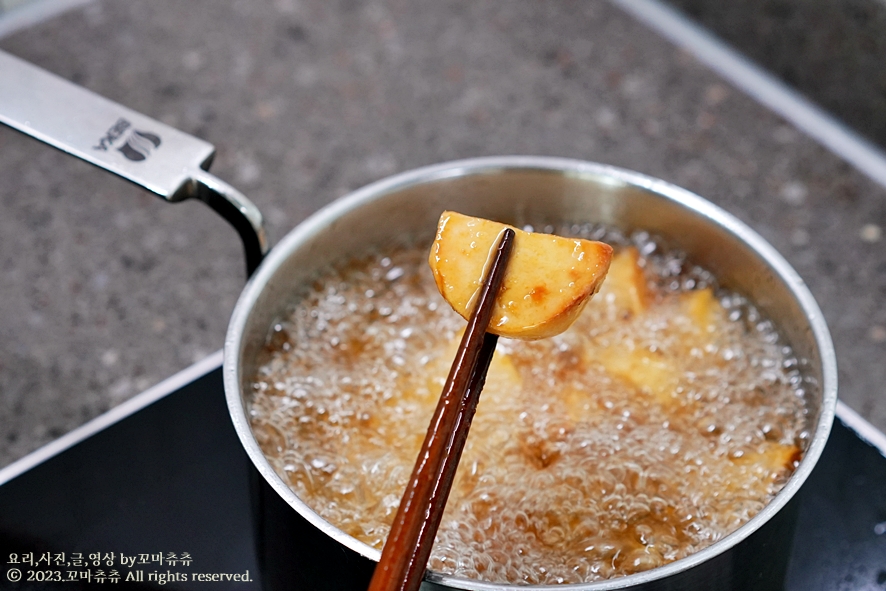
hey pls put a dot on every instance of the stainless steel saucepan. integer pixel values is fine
(516, 190)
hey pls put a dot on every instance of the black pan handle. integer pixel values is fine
(151, 154)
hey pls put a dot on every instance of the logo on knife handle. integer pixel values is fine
(138, 144)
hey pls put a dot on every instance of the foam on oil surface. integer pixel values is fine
(629, 441)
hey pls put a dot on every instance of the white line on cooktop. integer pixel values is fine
(761, 85)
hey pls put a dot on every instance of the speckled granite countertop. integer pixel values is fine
(107, 290)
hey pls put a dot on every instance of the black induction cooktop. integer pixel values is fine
(158, 494)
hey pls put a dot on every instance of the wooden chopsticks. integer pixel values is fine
(409, 542)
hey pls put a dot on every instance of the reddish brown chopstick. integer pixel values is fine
(408, 546)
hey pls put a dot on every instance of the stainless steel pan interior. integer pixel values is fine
(520, 190)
